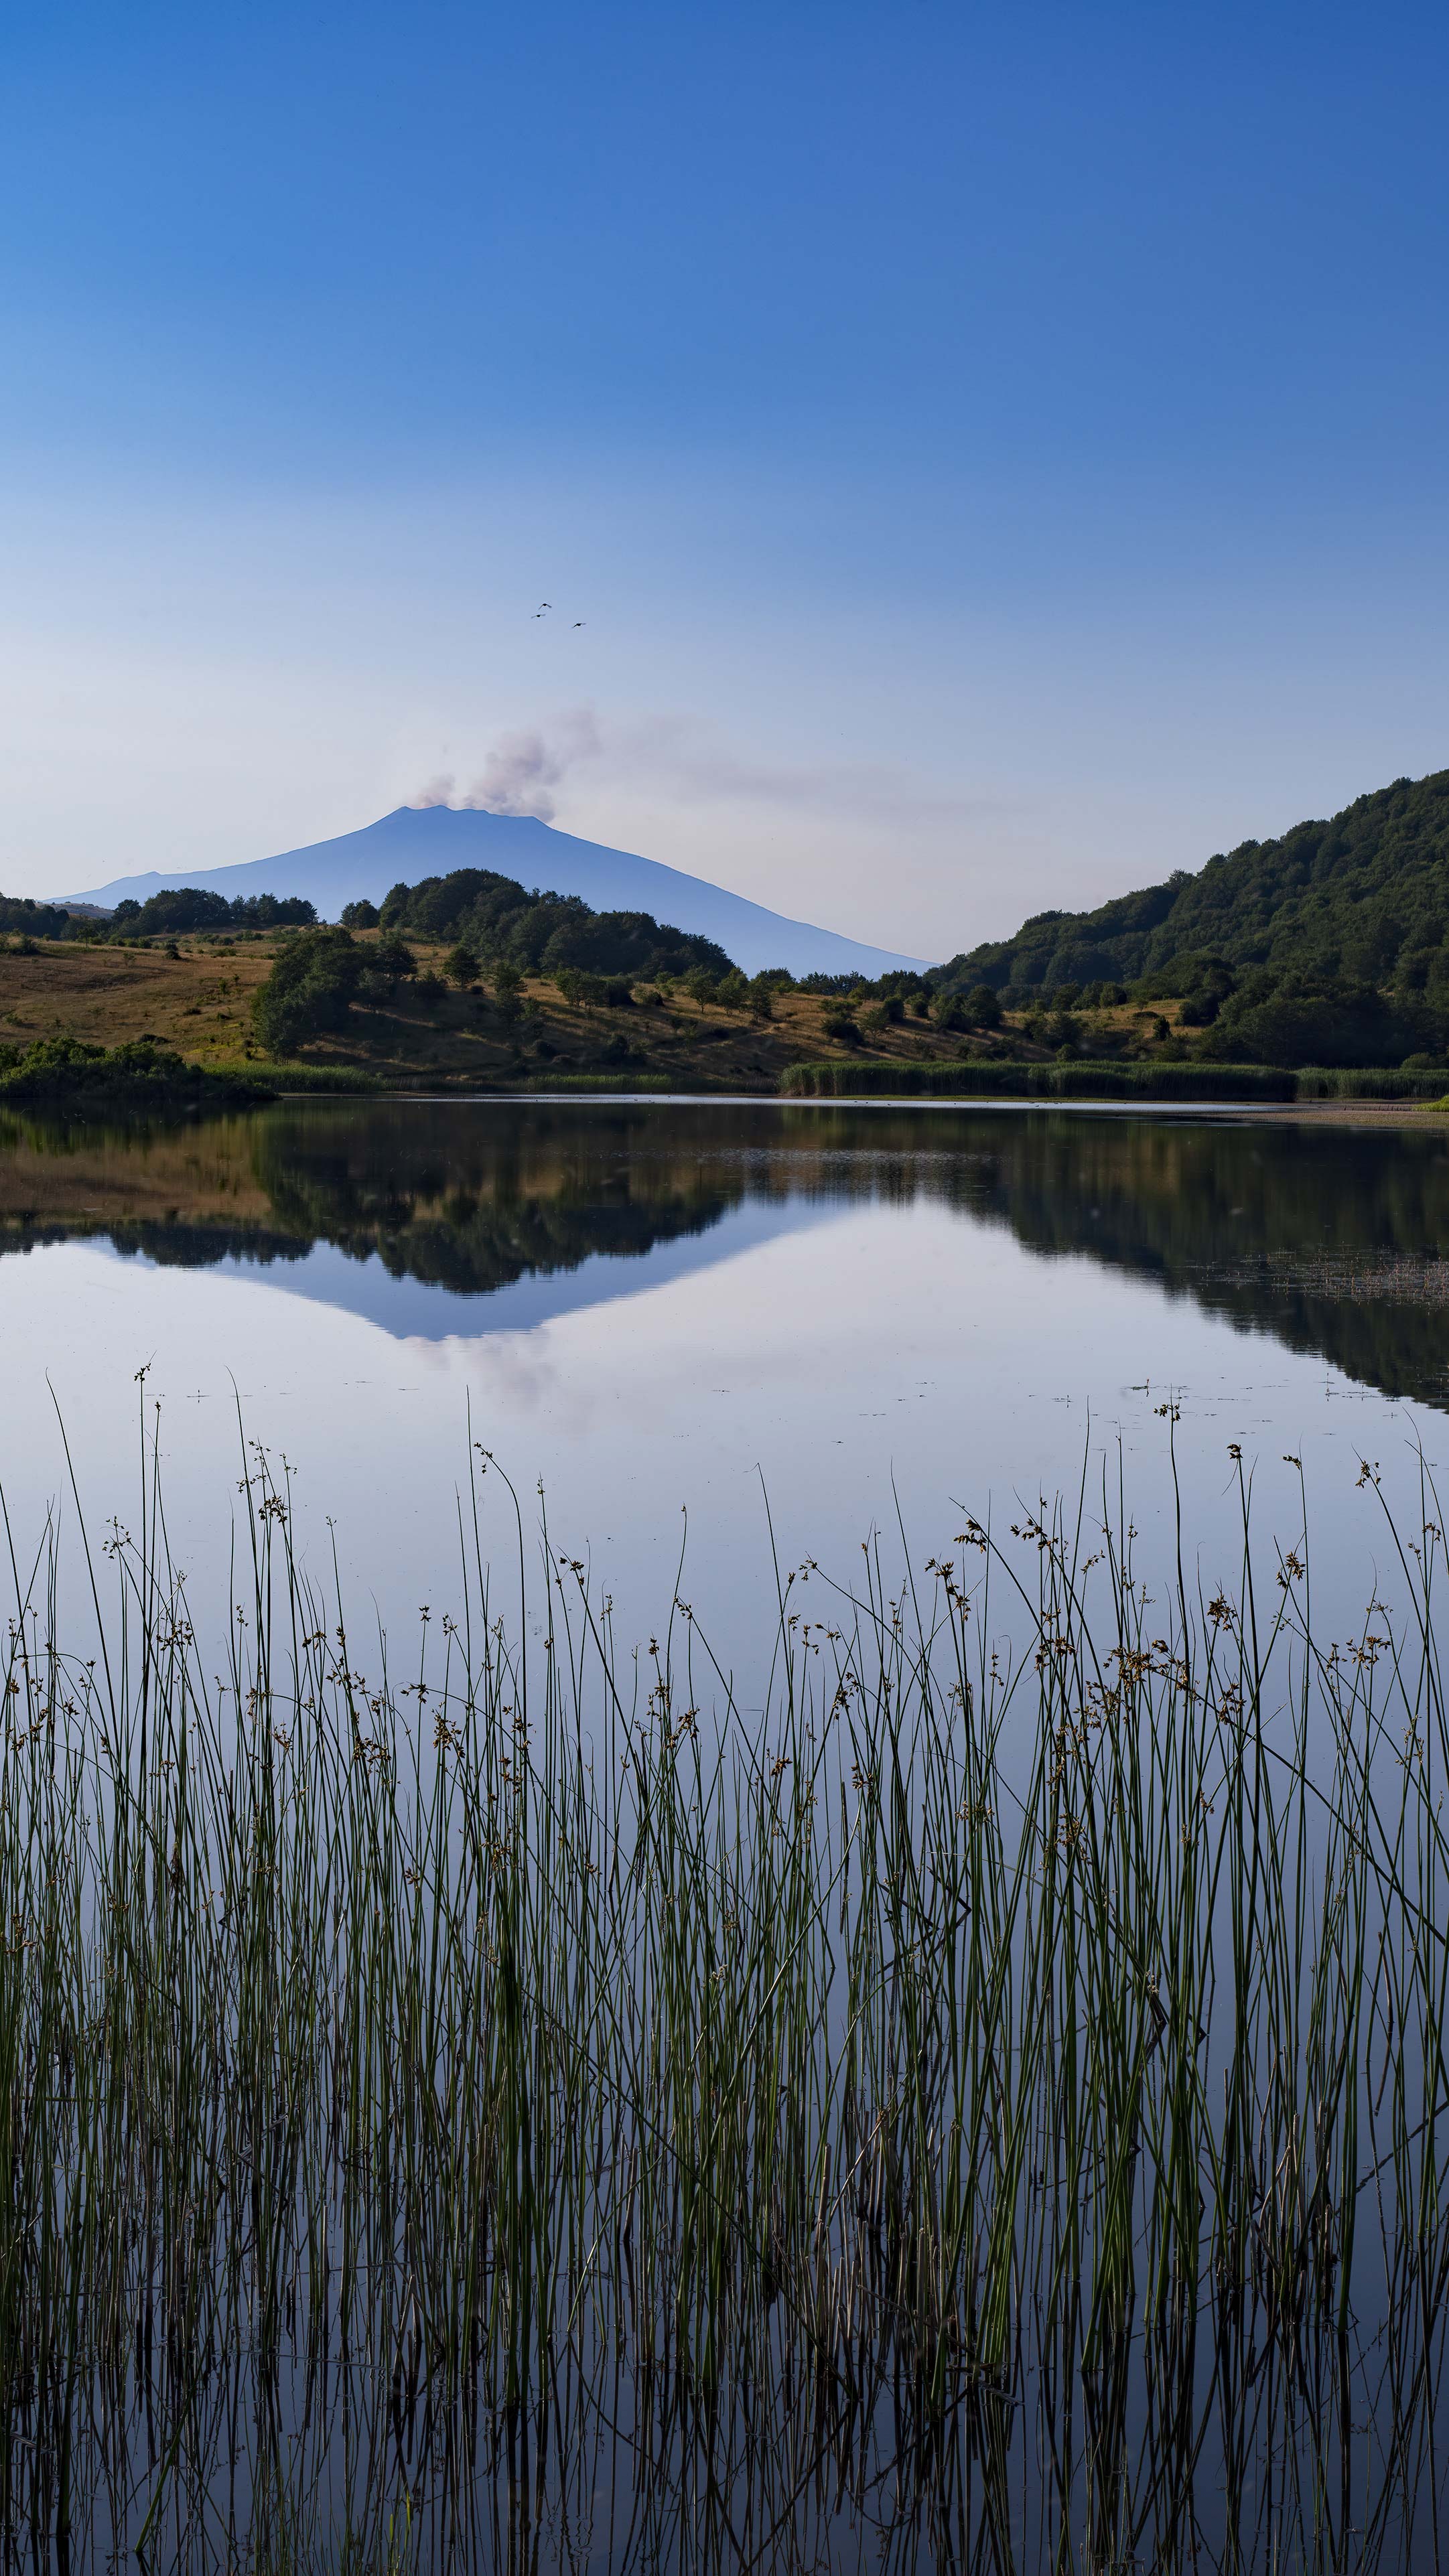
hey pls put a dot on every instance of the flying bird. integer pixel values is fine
(580, 621)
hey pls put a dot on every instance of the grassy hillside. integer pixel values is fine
(424, 1033)
(1329, 945)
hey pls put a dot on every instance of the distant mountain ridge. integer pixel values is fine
(1360, 899)
(420, 841)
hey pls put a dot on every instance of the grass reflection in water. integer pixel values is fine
(520, 2108)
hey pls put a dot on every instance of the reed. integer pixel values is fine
(992, 1079)
(985, 1078)
(986, 2107)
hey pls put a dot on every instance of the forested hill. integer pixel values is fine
(1362, 899)
(536, 932)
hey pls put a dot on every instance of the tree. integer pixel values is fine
(507, 991)
(309, 991)
(392, 959)
(983, 1006)
(361, 915)
(461, 966)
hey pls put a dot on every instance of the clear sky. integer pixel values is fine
(997, 453)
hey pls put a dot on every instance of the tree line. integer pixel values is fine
(175, 910)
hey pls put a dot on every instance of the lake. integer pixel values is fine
(670, 1314)
(917, 2117)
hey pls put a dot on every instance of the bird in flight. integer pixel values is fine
(579, 621)
(543, 608)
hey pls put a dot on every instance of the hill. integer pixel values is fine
(1328, 945)
(436, 840)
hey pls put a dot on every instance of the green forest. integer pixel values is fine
(536, 932)
(174, 911)
(1328, 946)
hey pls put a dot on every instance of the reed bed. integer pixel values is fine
(985, 2108)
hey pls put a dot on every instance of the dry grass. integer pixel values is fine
(200, 1002)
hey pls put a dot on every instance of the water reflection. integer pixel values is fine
(1331, 1239)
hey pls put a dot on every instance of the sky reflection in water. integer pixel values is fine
(654, 1308)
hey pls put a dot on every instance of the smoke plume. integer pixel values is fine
(522, 769)
(683, 759)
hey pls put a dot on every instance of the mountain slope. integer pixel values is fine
(433, 840)
(1362, 898)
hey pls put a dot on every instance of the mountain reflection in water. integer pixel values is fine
(1333, 1239)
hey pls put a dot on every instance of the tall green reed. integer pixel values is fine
(989, 2101)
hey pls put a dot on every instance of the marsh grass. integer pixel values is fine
(985, 2108)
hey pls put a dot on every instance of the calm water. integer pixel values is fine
(665, 1313)
(693, 1325)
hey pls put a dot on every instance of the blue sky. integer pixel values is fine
(998, 454)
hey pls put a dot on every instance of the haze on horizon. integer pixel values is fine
(996, 455)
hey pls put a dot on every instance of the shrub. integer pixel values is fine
(594, 992)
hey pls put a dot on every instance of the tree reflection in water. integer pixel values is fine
(1335, 1240)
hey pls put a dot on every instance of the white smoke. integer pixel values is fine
(521, 769)
(686, 760)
